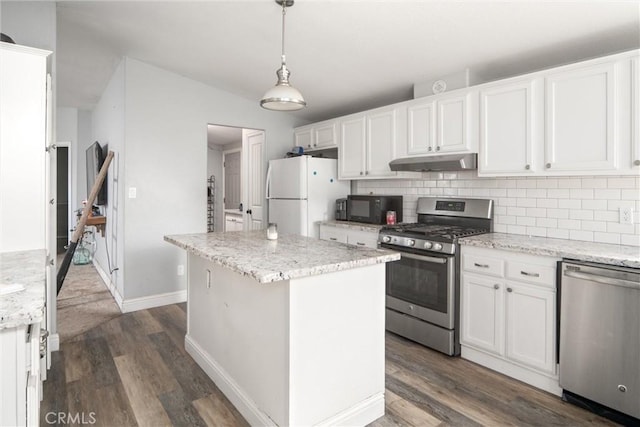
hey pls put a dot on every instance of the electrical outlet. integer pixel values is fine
(626, 215)
(180, 270)
(133, 192)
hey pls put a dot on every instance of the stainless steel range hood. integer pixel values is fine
(444, 162)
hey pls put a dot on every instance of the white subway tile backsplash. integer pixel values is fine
(576, 208)
(580, 214)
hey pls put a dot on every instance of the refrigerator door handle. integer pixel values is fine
(268, 183)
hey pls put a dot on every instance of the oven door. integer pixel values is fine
(423, 286)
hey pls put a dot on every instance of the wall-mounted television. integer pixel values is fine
(95, 158)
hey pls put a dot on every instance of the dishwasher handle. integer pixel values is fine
(602, 279)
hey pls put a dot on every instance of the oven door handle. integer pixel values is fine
(424, 258)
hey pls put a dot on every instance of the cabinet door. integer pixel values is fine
(581, 119)
(324, 135)
(507, 129)
(303, 137)
(333, 234)
(481, 313)
(530, 325)
(362, 238)
(421, 127)
(381, 142)
(351, 160)
(454, 122)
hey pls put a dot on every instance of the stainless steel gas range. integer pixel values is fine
(423, 287)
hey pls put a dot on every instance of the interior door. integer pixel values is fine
(254, 148)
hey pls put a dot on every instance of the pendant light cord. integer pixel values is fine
(284, 12)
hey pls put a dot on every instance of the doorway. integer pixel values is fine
(63, 196)
(237, 165)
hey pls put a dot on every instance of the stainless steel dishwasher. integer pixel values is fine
(600, 335)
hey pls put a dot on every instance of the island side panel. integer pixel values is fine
(237, 333)
(337, 327)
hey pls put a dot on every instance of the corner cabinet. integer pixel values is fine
(367, 143)
(508, 314)
(317, 136)
(442, 124)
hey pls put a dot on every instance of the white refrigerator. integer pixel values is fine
(302, 191)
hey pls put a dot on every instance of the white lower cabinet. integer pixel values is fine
(21, 386)
(367, 239)
(233, 222)
(508, 314)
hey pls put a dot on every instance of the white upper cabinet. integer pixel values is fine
(581, 118)
(509, 128)
(317, 136)
(367, 143)
(442, 124)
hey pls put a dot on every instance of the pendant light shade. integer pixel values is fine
(283, 96)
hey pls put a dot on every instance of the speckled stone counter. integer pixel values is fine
(26, 306)
(628, 256)
(288, 257)
(373, 228)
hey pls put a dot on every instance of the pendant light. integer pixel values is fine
(283, 96)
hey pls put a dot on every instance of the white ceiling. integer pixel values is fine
(222, 135)
(345, 56)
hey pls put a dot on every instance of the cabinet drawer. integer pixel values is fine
(483, 265)
(531, 273)
(362, 238)
(333, 234)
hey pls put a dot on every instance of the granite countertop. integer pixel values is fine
(289, 257)
(25, 306)
(373, 228)
(605, 253)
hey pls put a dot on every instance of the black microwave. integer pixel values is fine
(373, 209)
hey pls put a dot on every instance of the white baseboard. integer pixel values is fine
(109, 284)
(141, 303)
(361, 414)
(227, 385)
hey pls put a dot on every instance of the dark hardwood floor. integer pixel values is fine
(133, 370)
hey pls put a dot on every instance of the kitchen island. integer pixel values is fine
(291, 330)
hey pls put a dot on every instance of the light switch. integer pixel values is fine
(133, 192)
(180, 270)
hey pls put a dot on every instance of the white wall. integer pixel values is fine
(159, 134)
(108, 127)
(575, 208)
(84, 140)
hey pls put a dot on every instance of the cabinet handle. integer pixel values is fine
(366, 173)
(438, 148)
(548, 165)
(361, 173)
(636, 162)
(360, 243)
(481, 265)
(509, 290)
(524, 273)
(333, 238)
(430, 149)
(527, 167)
(496, 286)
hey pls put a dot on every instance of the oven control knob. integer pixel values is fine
(428, 245)
(386, 239)
(437, 247)
(411, 242)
